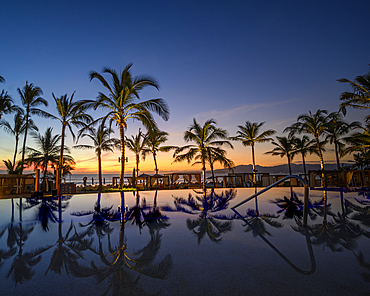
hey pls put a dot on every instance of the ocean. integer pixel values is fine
(92, 179)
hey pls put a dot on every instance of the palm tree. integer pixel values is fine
(336, 128)
(30, 98)
(284, 147)
(6, 103)
(11, 168)
(359, 98)
(136, 144)
(359, 141)
(48, 151)
(304, 146)
(153, 141)
(218, 155)
(70, 113)
(2, 79)
(122, 105)
(18, 129)
(249, 135)
(101, 142)
(205, 137)
(314, 124)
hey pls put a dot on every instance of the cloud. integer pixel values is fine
(241, 109)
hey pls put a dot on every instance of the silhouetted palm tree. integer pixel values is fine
(11, 168)
(18, 129)
(284, 147)
(6, 103)
(48, 151)
(153, 141)
(249, 135)
(30, 98)
(335, 130)
(315, 125)
(206, 137)
(359, 141)
(359, 98)
(122, 105)
(218, 155)
(304, 146)
(101, 142)
(69, 113)
(136, 145)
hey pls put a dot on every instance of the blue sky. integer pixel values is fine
(231, 60)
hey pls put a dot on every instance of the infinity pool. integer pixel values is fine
(183, 242)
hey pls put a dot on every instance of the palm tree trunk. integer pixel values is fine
(155, 162)
(211, 166)
(137, 165)
(204, 173)
(304, 167)
(337, 155)
(213, 175)
(100, 173)
(15, 151)
(321, 162)
(122, 141)
(289, 166)
(25, 139)
(254, 167)
(60, 167)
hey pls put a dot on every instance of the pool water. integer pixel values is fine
(185, 242)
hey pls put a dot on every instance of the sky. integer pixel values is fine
(234, 61)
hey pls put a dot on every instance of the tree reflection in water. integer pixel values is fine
(100, 219)
(293, 207)
(119, 266)
(21, 267)
(155, 220)
(4, 255)
(46, 208)
(68, 248)
(257, 221)
(205, 204)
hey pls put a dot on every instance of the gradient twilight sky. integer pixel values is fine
(229, 60)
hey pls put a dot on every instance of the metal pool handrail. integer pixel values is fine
(306, 193)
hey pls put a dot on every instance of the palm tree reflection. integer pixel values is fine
(206, 204)
(155, 219)
(119, 265)
(46, 208)
(256, 221)
(68, 248)
(21, 267)
(361, 260)
(293, 207)
(100, 219)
